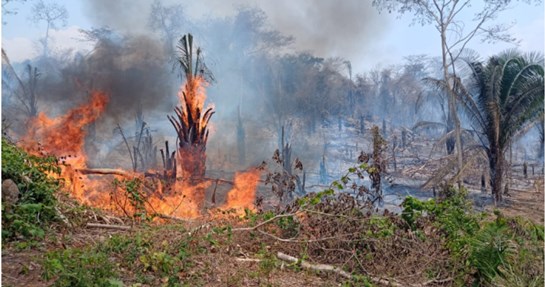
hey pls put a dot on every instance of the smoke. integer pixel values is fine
(326, 28)
(245, 45)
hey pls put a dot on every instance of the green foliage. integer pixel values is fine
(36, 205)
(268, 262)
(137, 200)
(80, 268)
(159, 262)
(489, 250)
(380, 227)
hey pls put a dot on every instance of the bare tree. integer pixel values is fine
(53, 14)
(455, 34)
(8, 10)
(168, 21)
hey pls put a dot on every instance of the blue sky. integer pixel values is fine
(395, 40)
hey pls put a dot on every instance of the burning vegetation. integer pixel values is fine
(410, 175)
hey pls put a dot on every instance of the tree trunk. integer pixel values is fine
(453, 116)
(190, 161)
(496, 163)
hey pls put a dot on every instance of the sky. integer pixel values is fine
(383, 40)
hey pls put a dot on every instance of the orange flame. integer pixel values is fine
(183, 203)
(64, 137)
(193, 93)
(243, 193)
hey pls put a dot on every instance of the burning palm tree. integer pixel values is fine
(191, 120)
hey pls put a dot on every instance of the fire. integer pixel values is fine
(64, 137)
(243, 193)
(191, 124)
(184, 202)
(192, 95)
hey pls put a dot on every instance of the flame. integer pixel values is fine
(193, 94)
(191, 124)
(64, 137)
(242, 195)
(185, 202)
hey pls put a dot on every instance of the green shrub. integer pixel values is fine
(36, 205)
(80, 268)
(492, 252)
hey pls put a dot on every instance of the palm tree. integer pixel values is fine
(191, 120)
(502, 97)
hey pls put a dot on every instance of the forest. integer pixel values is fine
(166, 149)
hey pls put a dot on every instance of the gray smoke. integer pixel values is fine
(327, 28)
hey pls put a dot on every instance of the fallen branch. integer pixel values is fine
(168, 217)
(247, 259)
(317, 267)
(330, 268)
(104, 171)
(264, 222)
(109, 226)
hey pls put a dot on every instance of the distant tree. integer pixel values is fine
(30, 99)
(7, 10)
(22, 88)
(455, 34)
(503, 96)
(53, 14)
(169, 22)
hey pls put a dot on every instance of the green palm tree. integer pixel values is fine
(502, 97)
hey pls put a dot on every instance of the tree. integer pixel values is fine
(52, 14)
(7, 10)
(168, 20)
(191, 121)
(502, 97)
(455, 34)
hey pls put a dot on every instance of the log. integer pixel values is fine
(317, 267)
(104, 171)
(109, 226)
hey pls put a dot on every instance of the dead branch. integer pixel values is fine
(247, 259)
(168, 217)
(317, 267)
(105, 171)
(264, 222)
(330, 268)
(109, 226)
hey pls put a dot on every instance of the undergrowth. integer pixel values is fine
(34, 210)
(442, 240)
(492, 249)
